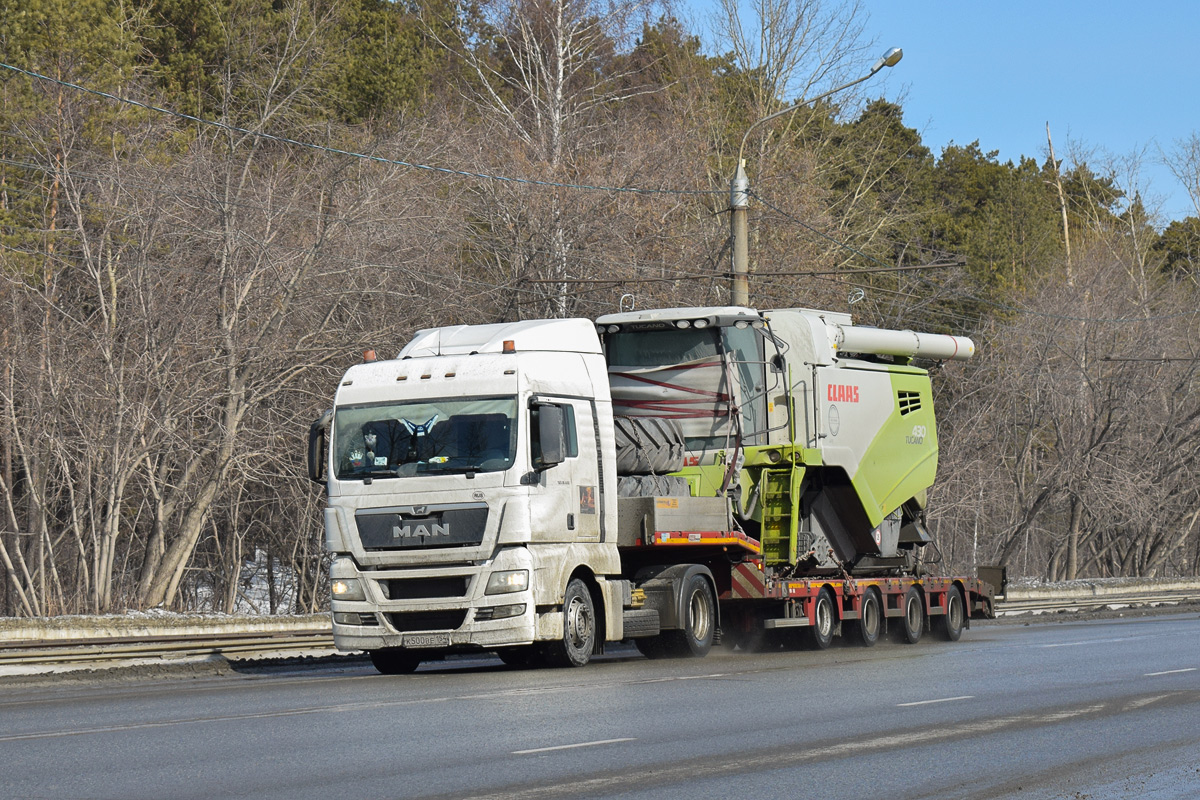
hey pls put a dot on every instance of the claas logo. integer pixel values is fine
(839, 393)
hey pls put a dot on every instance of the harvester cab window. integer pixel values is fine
(654, 348)
(745, 346)
(693, 375)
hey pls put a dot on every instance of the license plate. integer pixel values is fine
(427, 640)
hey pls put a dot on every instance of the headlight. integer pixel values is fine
(513, 580)
(347, 589)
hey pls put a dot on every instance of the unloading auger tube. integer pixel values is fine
(879, 341)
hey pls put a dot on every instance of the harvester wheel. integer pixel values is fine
(914, 617)
(950, 625)
(866, 629)
(820, 633)
(395, 661)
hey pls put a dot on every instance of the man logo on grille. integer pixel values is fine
(409, 532)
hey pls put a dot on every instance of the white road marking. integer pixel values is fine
(939, 700)
(1093, 641)
(572, 746)
(1169, 672)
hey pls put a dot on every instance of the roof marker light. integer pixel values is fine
(510, 346)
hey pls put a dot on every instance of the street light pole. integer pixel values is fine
(739, 187)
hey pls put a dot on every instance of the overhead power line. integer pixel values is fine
(967, 295)
(350, 153)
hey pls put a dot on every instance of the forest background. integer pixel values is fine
(209, 207)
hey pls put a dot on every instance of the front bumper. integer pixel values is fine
(443, 608)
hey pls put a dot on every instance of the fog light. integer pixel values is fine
(499, 612)
(347, 589)
(513, 580)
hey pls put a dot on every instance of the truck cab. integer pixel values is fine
(468, 491)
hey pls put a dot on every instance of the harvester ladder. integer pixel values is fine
(779, 520)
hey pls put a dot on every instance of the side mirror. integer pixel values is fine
(317, 433)
(549, 444)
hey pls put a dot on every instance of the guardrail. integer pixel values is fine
(1095, 594)
(61, 644)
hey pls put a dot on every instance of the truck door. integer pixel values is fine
(573, 483)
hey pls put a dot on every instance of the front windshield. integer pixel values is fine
(425, 437)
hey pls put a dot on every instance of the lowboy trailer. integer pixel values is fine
(675, 477)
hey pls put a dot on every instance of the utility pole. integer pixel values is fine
(739, 187)
(739, 202)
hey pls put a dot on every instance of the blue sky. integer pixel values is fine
(1121, 77)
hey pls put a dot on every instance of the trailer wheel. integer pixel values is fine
(820, 634)
(950, 625)
(579, 628)
(395, 661)
(914, 617)
(699, 623)
(866, 629)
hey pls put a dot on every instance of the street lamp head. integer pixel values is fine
(890, 59)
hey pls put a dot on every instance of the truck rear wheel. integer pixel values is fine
(914, 617)
(395, 661)
(950, 625)
(699, 622)
(698, 625)
(865, 630)
(579, 628)
(819, 635)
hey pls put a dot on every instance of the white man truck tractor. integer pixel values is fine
(673, 476)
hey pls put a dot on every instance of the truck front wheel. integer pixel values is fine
(395, 661)
(579, 628)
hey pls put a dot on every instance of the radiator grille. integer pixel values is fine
(425, 588)
(405, 622)
(451, 527)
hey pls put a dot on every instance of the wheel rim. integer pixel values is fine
(698, 611)
(824, 617)
(914, 614)
(870, 617)
(954, 613)
(579, 623)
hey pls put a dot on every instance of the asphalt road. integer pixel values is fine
(1098, 709)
